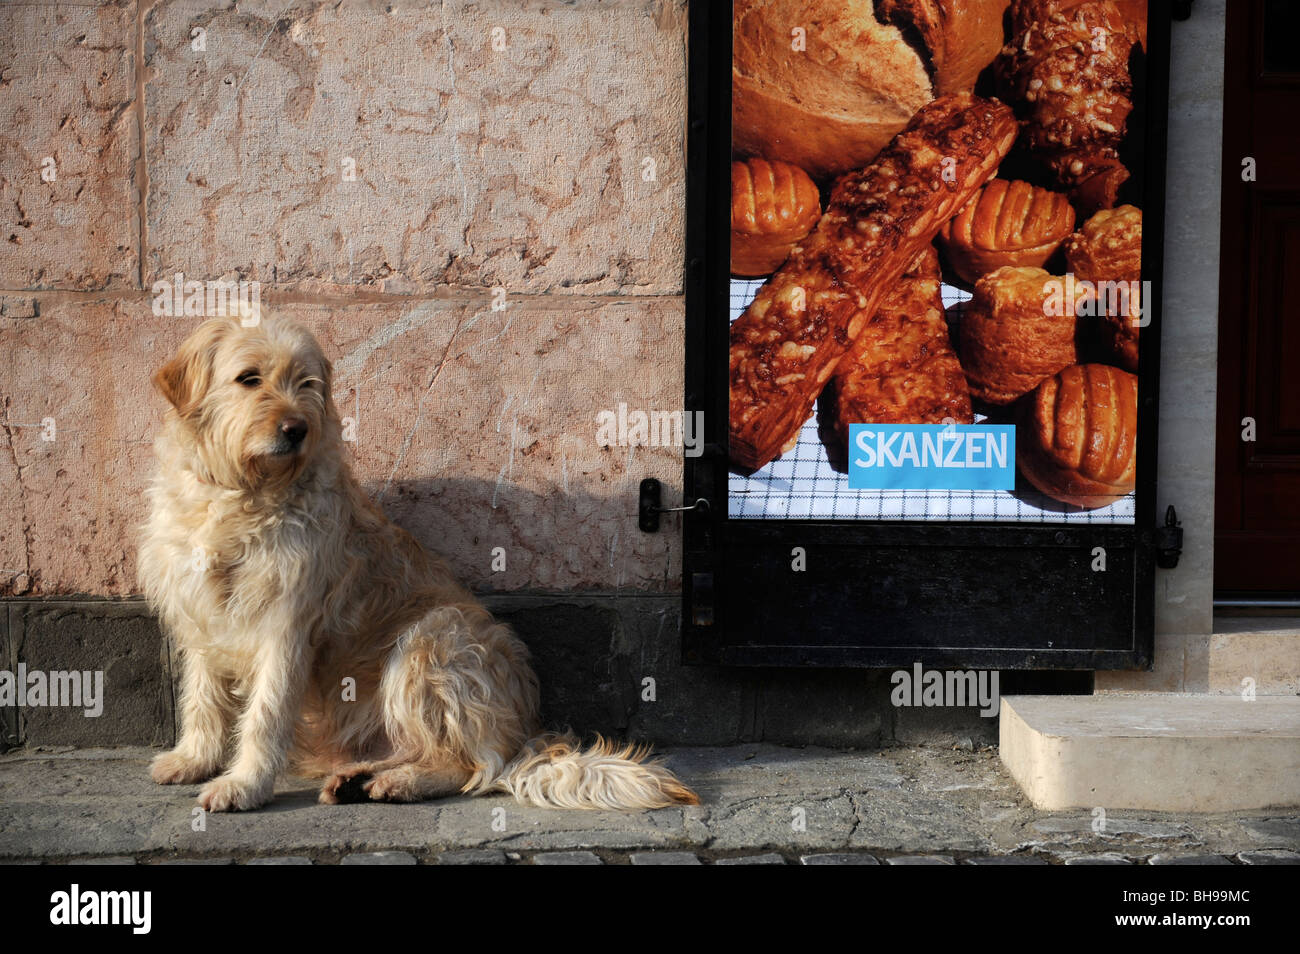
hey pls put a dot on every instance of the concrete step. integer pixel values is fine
(1153, 751)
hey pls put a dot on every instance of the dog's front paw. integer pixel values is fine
(231, 793)
(180, 768)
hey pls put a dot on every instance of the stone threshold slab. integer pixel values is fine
(1153, 751)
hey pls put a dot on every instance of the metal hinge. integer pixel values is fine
(1168, 540)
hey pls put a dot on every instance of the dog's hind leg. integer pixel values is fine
(458, 701)
(394, 780)
(414, 782)
(344, 786)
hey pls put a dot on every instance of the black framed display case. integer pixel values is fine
(1005, 581)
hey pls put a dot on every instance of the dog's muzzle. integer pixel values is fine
(293, 430)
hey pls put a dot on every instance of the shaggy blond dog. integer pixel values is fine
(311, 629)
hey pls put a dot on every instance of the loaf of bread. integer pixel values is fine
(773, 205)
(826, 84)
(1108, 248)
(901, 369)
(1010, 340)
(787, 343)
(1066, 66)
(1076, 435)
(1006, 223)
(958, 37)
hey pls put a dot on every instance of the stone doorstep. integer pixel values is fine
(1153, 751)
(1265, 650)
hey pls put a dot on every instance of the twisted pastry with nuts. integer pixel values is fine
(1067, 65)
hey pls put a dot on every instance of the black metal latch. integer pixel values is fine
(1168, 540)
(651, 506)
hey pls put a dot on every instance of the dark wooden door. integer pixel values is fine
(1257, 505)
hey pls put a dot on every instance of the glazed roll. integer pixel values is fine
(773, 205)
(1007, 223)
(1013, 334)
(1076, 435)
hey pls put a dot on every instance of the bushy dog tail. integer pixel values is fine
(554, 771)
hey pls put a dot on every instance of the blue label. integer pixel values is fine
(932, 456)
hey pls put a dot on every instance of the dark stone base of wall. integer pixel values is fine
(121, 639)
(607, 663)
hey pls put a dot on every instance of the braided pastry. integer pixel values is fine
(901, 369)
(786, 345)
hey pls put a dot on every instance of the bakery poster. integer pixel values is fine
(935, 268)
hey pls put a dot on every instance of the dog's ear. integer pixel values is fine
(184, 379)
(327, 372)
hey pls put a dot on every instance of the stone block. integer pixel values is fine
(399, 146)
(119, 640)
(476, 430)
(68, 190)
(1157, 752)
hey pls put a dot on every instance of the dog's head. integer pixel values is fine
(255, 400)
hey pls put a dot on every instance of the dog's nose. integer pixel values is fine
(294, 430)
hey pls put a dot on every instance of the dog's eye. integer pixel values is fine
(308, 384)
(249, 378)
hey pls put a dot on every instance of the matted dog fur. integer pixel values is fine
(315, 633)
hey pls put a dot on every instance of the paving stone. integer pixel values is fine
(472, 857)
(769, 859)
(280, 860)
(1059, 823)
(1269, 857)
(825, 821)
(840, 858)
(1102, 859)
(197, 861)
(1167, 859)
(110, 860)
(920, 860)
(664, 858)
(379, 858)
(567, 858)
(10, 737)
(57, 804)
(1007, 860)
(1275, 832)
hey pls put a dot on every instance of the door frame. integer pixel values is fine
(1240, 297)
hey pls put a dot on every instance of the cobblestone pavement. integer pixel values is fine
(761, 804)
(606, 857)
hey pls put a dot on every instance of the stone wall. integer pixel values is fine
(389, 172)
